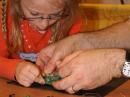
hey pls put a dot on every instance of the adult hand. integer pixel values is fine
(89, 69)
(49, 57)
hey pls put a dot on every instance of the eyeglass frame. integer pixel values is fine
(48, 18)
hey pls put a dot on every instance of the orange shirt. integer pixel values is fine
(33, 42)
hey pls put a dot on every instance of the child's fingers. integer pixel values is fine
(25, 83)
(27, 73)
(24, 80)
(27, 77)
(40, 80)
(33, 70)
(34, 73)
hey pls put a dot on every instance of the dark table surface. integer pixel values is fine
(117, 88)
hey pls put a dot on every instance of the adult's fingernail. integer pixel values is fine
(47, 70)
(58, 64)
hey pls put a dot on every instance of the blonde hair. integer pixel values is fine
(60, 29)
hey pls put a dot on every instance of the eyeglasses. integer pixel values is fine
(56, 16)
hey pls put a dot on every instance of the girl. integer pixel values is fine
(27, 26)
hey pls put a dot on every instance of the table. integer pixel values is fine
(121, 91)
(8, 87)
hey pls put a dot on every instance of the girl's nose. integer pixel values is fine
(43, 24)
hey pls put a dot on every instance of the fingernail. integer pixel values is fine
(58, 64)
(47, 71)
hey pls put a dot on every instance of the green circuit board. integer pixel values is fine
(50, 78)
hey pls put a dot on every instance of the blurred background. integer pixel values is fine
(103, 13)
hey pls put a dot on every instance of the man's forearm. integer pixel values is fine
(116, 36)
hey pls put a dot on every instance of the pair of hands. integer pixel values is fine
(85, 69)
(27, 72)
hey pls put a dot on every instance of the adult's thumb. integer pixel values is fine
(53, 62)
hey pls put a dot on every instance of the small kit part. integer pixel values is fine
(50, 78)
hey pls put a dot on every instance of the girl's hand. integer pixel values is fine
(89, 69)
(27, 73)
